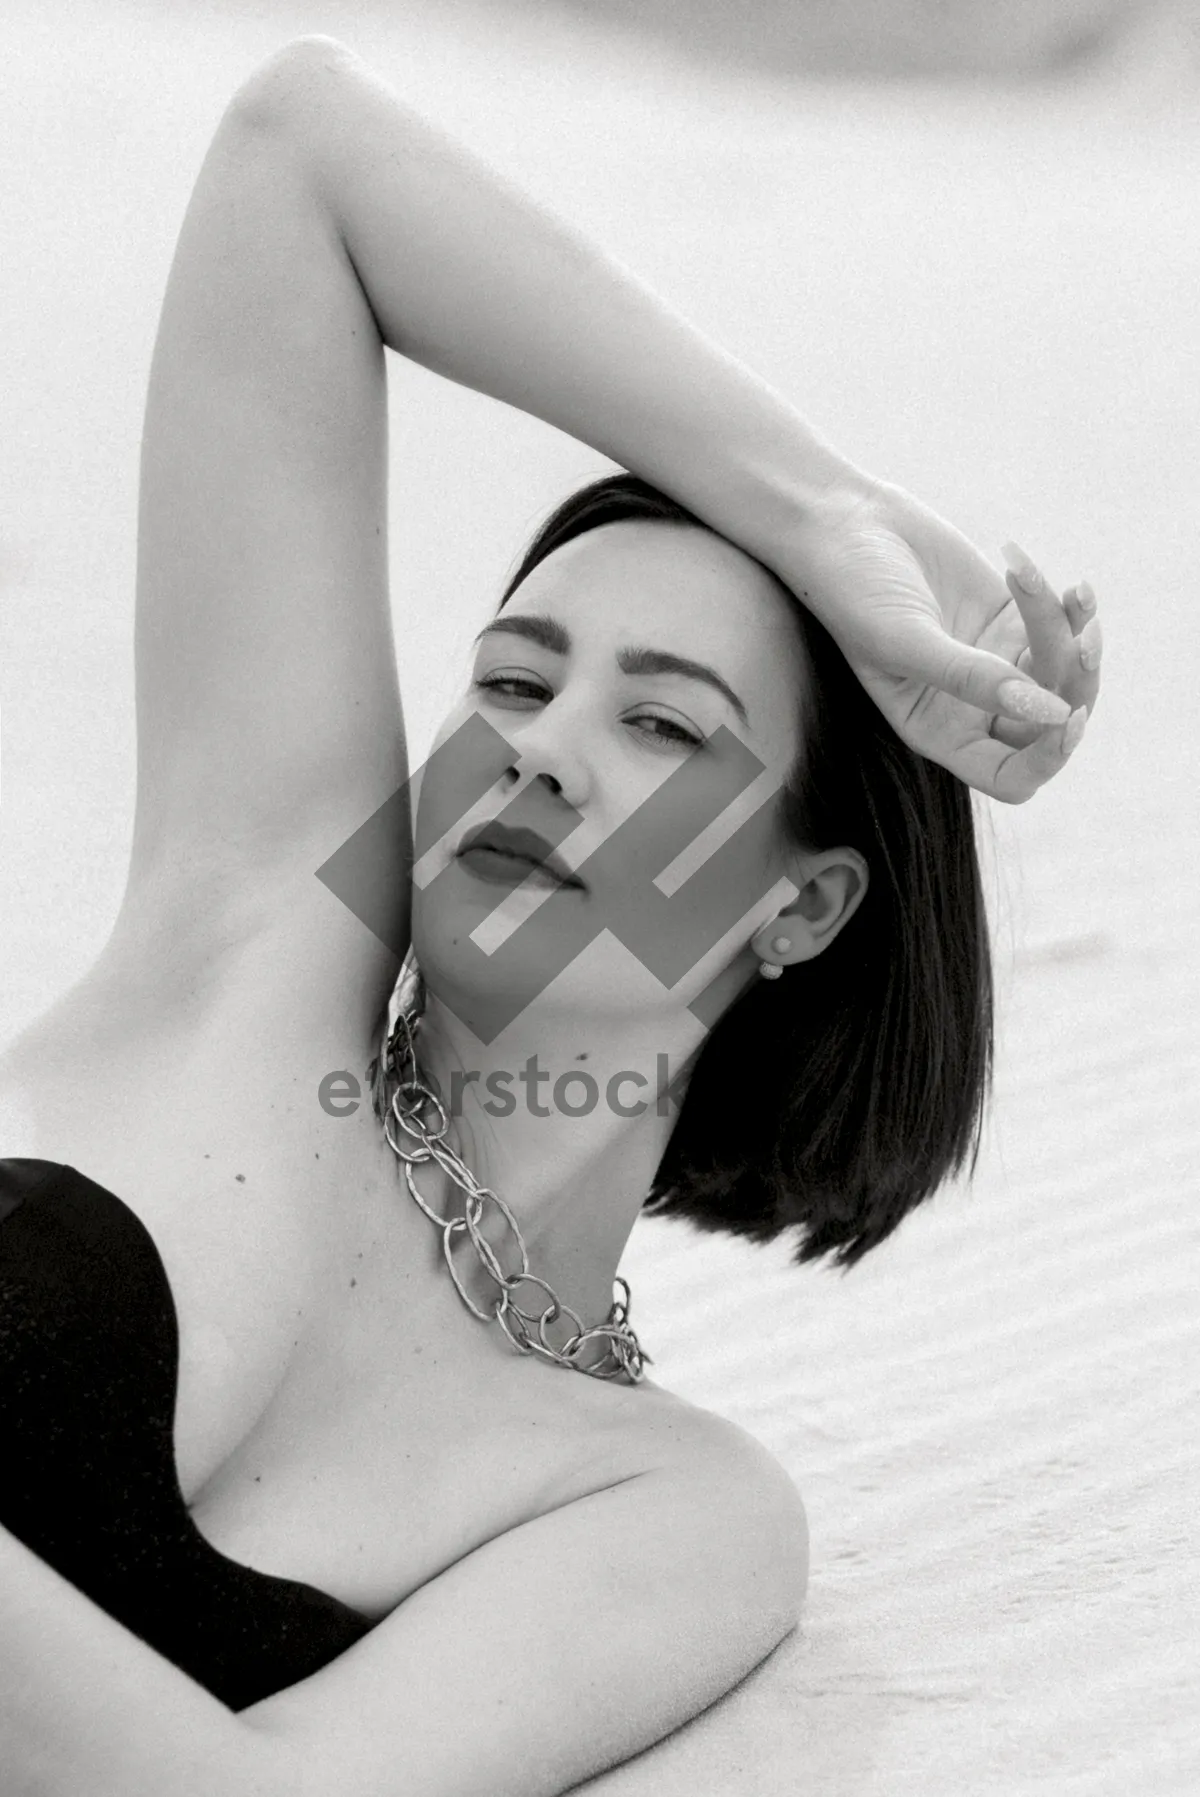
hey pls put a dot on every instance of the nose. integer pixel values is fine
(549, 748)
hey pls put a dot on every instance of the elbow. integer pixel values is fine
(293, 82)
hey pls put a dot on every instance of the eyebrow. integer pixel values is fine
(549, 634)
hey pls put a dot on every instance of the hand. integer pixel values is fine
(969, 669)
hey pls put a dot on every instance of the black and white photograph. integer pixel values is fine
(599, 883)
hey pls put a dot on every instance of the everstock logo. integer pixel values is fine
(669, 927)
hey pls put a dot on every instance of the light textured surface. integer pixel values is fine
(993, 299)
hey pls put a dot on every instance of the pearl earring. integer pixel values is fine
(769, 969)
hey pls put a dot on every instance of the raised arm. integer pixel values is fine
(329, 219)
(467, 275)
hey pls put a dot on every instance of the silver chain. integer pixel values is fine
(624, 1356)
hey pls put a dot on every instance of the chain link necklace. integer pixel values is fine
(411, 1099)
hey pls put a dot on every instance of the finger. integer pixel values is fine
(1062, 660)
(1005, 634)
(921, 649)
(1079, 603)
(1091, 645)
(1013, 775)
(1080, 686)
(1078, 680)
(1008, 730)
(1080, 683)
(1046, 623)
(1028, 769)
(1017, 736)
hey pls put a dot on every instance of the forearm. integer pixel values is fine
(89, 1710)
(472, 278)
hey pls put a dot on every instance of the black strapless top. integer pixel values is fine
(89, 1369)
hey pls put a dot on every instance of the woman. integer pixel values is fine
(286, 1516)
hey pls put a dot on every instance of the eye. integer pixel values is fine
(514, 689)
(497, 683)
(679, 736)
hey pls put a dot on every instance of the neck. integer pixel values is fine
(540, 1116)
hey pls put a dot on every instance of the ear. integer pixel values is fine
(832, 885)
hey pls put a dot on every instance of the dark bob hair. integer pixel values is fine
(836, 1098)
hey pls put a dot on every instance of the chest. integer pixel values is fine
(401, 1435)
(341, 1419)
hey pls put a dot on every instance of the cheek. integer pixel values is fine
(720, 807)
(684, 890)
(466, 761)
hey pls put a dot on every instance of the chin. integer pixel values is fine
(485, 992)
(509, 988)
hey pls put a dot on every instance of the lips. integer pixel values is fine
(521, 845)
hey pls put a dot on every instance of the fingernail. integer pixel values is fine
(1085, 596)
(1021, 567)
(1091, 644)
(1031, 703)
(1073, 730)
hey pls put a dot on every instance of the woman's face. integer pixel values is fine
(586, 723)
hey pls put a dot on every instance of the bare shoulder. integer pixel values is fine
(733, 1453)
(714, 1456)
(633, 1607)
